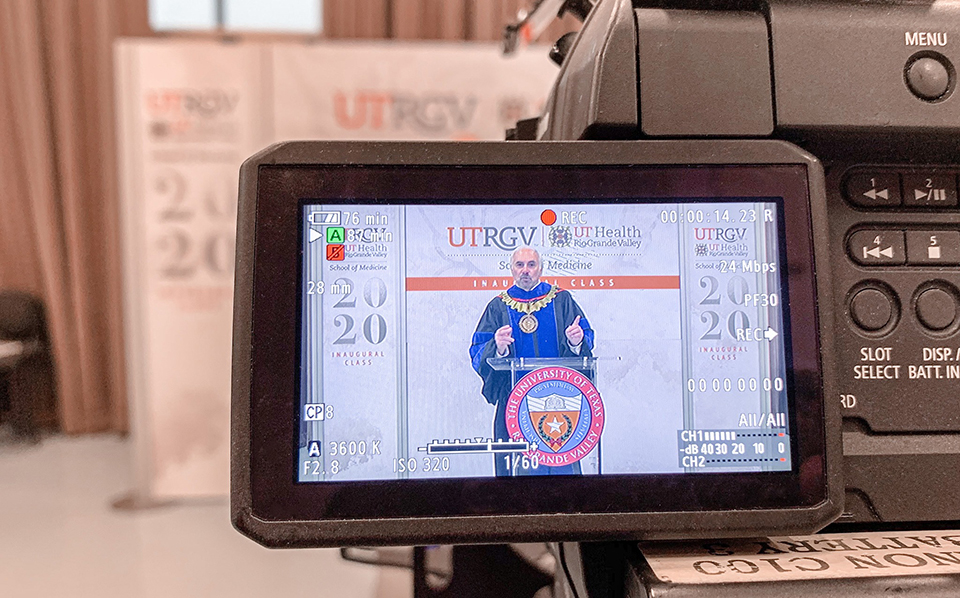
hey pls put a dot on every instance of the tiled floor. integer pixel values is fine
(60, 537)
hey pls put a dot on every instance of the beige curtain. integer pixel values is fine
(59, 235)
(471, 20)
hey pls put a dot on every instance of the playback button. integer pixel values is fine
(873, 189)
(929, 190)
(933, 248)
(877, 247)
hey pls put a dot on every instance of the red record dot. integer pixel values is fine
(548, 217)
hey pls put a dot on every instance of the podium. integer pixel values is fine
(521, 366)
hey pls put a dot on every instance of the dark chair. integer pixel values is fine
(26, 367)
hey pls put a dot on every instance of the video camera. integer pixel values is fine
(868, 89)
(711, 291)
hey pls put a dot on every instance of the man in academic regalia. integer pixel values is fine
(530, 319)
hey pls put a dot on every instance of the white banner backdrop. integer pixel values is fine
(189, 113)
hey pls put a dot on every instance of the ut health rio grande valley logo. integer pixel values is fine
(560, 236)
(559, 412)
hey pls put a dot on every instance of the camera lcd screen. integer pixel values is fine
(638, 336)
(485, 342)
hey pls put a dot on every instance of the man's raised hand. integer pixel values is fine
(504, 337)
(574, 333)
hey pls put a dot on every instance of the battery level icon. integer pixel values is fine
(319, 218)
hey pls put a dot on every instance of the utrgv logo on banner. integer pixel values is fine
(206, 103)
(720, 242)
(192, 114)
(728, 235)
(427, 113)
(506, 238)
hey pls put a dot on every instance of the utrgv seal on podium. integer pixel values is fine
(559, 412)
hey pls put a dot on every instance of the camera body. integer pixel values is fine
(815, 144)
(868, 88)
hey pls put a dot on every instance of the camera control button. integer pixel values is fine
(933, 248)
(873, 190)
(877, 247)
(936, 309)
(871, 309)
(929, 190)
(928, 78)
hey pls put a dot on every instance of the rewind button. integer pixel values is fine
(873, 194)
(877, 247)
(873, 189)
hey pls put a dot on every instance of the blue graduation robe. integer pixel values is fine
(548, 340)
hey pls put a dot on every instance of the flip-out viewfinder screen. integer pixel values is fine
(470, 341)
